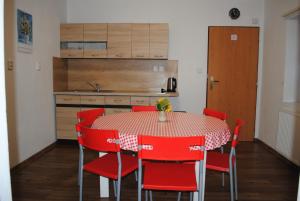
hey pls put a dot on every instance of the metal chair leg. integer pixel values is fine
(235, 181)
(115, 188)
(223, 174)
(146, 195)
(231, 182)
(150, 194)
(119, 190)
(78, 181)
(191, 196)
(80, 184)
(179, 196)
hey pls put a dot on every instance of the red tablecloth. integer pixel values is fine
(178, 124)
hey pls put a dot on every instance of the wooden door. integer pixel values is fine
(232, 74)
(159, 41)
(119, 41)
(140, 41)
(71, 32)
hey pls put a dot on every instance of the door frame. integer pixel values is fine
(259, 74)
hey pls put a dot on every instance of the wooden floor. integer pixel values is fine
(53, 177)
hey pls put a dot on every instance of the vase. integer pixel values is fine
(162, 116)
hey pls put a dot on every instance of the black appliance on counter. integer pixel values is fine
(171, 84)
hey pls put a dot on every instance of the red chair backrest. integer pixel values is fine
(171, 149)
(213, 113)
(143, 108)
(238, 124)
(89, 116)
(98, 140)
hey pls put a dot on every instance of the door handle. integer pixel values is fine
(212, 82)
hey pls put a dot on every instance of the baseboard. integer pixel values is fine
(278, 155)
(33, 158)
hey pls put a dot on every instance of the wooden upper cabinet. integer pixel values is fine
(159, 41)
(95, 32)
(71, 32)
(119, 41)
(140, 40)
(95, 40)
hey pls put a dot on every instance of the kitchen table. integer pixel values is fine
(178, 124)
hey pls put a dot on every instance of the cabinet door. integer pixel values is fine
(117, 100)
(92, 100)
(139, 100)
(67, 99)
(119, 41)
(140, 40)
(159, 41)
(65, 122)
(95, 32)
(71, 32)
(153, 100)
(95, 40)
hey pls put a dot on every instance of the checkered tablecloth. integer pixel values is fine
(132, 124)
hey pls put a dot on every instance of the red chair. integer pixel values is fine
(220, 115)
(143, 108)
(89, 116)
(210, 112)
(165, 173)
(113, 165)
(226, 163)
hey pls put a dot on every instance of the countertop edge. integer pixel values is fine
(154, 94)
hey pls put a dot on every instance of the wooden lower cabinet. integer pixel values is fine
(65, 122)
(66, 116)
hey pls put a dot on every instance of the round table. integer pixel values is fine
(178, 124)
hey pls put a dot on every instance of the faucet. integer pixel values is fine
(96, 86)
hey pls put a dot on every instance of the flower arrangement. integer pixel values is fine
(164, 104)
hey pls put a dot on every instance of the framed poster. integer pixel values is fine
(24, 29)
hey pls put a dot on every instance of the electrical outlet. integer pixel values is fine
(161, 68)
(155, 68)
(10, 65)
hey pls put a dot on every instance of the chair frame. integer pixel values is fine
(80, 127)
(202, 161)
(232, 166)
(220, 115)
(87, 117)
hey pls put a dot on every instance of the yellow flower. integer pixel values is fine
(163, 104)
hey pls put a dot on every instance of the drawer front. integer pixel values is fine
(67, 99)
(92, 100)
(117, 100)
(95, 53)
(153, 100)
(65, 122)
(135, 100)
(109, 111)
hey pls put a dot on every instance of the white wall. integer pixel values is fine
(273, 67)
(33, 89)
(188, 23)
(5, 187)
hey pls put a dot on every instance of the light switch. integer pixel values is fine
(10, 65)
(37, 66)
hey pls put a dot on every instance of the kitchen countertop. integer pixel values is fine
(117, 93)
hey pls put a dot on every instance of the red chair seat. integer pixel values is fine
(107, 165)
(218, 161)
(170, 176)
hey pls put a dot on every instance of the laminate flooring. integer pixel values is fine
(262, 176)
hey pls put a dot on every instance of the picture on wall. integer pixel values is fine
(24, 28)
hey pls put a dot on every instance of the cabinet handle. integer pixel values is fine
(158, 56)
(140, 56)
